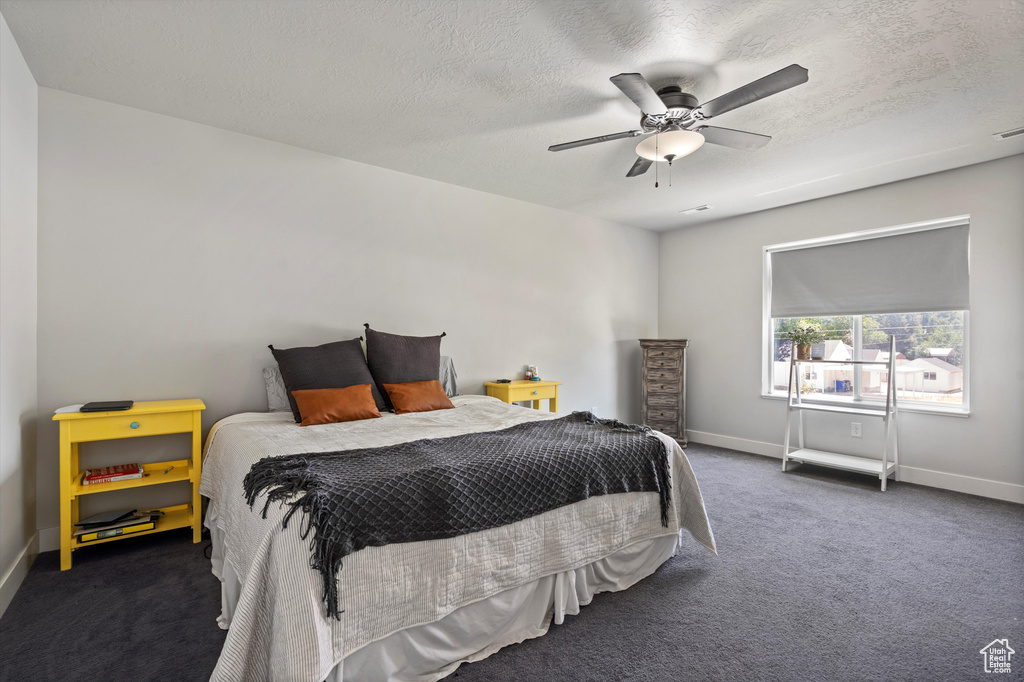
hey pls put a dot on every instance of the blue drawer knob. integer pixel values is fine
(535, 392)
(134, 425)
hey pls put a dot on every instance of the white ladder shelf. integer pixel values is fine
(889, 415)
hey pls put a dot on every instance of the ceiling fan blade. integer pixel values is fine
(640, 167)
(783, 79)
(594, 140)
(635, 87)
(737, 139)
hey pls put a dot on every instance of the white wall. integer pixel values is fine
(710, 292)
(18, 176)
(172, 253)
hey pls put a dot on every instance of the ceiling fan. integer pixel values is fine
(678, 121)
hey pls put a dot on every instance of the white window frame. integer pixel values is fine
(767, 331)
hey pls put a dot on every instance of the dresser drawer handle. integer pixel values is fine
(134, 425)
(535, 392)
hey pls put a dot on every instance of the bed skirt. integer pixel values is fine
(429, 652)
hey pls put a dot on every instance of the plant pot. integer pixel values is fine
(803, 351)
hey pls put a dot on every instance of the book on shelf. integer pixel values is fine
(138, 518)
(89, 535)
(108, 517)
(120, 472)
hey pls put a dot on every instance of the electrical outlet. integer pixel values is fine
(855, 429)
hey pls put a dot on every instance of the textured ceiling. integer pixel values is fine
(473, 92)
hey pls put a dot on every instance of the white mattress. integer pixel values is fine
(278, 630)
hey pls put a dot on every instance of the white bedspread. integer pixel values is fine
(279, 631)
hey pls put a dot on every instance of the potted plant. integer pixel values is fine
(802, 336)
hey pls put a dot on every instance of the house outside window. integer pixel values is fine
(931, 363)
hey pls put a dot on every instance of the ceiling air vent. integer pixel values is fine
(696, 209)
(1007, 134)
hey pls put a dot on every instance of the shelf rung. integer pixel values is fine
(839, 409)
(843, 362)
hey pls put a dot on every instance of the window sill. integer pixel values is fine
(903, 405)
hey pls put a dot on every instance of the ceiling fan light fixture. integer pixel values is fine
(674, 143)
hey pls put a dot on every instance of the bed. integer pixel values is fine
(416, 610)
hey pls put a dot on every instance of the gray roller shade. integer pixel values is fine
(911, 272)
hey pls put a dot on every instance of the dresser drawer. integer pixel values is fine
(661, 375)
(103, 428)
(663, 386)
(664, 353)
(659, 363)
(655, 414)
(658, 401)
(668, 428)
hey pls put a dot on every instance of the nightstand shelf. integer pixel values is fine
(151, 418)
(152, 474)
(178, 516)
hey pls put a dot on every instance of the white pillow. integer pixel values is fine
(448, 376)
(277, 394)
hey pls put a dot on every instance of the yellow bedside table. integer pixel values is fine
(150, 418)
(521, 389)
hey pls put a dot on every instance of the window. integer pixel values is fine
(861, 288)
(920, 337)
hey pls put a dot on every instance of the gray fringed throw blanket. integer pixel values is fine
(444, 487)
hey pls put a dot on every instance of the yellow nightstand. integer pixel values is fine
(522, 389)
(150, 418)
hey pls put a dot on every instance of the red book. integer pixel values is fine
(121, 472)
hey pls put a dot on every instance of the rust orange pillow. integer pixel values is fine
(418, 396)
(331, 405)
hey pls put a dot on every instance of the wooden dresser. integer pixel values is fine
(663, 386)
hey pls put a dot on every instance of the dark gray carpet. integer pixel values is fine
(819, 577)
(141, 609)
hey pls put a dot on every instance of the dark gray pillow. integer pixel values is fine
(395, 359)
(333, 365)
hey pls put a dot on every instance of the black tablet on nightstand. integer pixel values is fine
(109, 406)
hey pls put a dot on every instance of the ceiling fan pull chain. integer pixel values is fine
(656, 165)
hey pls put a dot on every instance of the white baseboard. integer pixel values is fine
(49, 538)
(999, 490)
(756, 447)
(11, 580)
